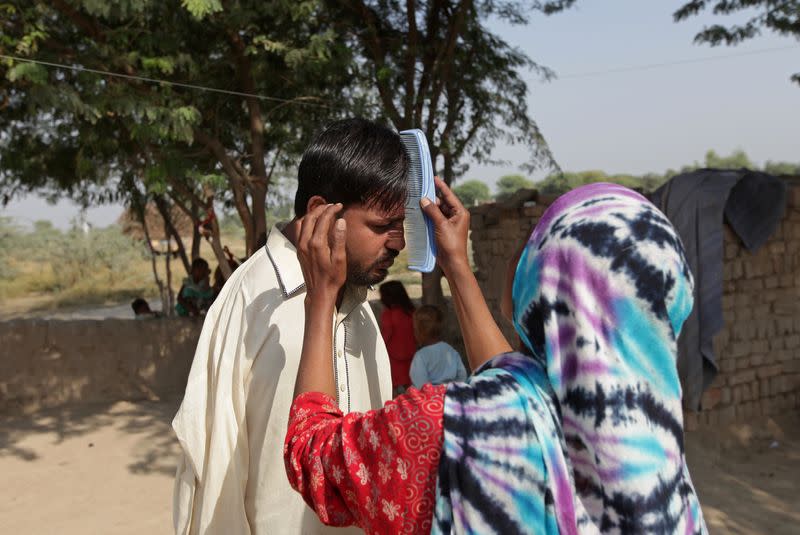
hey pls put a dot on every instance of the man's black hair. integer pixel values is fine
(353, 161)
(199, 262)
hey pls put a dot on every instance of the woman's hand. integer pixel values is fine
(451, 228)
(321, 251)
(482, 338)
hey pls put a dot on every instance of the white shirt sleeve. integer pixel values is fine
(211, 430)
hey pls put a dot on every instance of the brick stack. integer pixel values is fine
(758, 349)
(497, 230)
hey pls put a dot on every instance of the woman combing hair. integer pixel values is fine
(579, 432)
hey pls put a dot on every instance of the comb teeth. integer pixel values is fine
(418, 229)
(414, 168)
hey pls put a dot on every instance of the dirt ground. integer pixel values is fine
(747, 476)
(108, 469)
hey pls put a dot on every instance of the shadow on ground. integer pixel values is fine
(154, 446)
(746, 476)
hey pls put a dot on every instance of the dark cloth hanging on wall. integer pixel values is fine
(753, 204)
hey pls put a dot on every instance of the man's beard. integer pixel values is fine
(369, 276)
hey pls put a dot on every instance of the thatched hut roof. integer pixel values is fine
(131, 226)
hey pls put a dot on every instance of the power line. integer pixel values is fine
(636, 68)
(161, 82)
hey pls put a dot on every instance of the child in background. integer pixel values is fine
(141, 309)
(196, 295)
(397, 328)
(435, 362)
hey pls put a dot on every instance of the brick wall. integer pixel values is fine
(758, 349)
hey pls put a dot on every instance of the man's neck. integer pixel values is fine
(292, 233)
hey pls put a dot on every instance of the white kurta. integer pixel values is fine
(232, 422)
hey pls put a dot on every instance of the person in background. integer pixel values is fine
(397, 328)
(195, 295)
(219, 279)
(436, 362)
(141, 309)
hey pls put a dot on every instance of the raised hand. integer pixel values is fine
(451, 227)
(482, 338)
(321, 251)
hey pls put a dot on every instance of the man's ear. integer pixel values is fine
(314, 201)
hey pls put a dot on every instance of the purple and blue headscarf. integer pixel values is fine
(583, 434)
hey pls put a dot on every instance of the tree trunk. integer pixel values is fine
(219, 252)
(448, 168)
(432, 288)
(259, 192)
(237, 179)
(170, 229)
(154, 265)
(196, 237)
(432, 282)
(170, 293)
(240, 202)
(180, 195)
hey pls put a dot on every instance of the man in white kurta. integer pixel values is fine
(233, 418)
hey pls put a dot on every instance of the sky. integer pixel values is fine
(647, 119)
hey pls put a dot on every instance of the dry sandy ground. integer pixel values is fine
(86, 470)
(108, 469)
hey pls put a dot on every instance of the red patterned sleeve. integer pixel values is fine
(376, 470)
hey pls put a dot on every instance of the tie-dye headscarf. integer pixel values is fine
(587, 436)
(600, 293)
(503, 468)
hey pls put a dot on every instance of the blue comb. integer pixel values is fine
(418, 228)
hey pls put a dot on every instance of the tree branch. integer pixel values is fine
(231, 167)
(245, 70)
(375, 45)
(429, 57)
(411, 58)
(87, 25)
(172, 231)
(237, 180)
(444, 59)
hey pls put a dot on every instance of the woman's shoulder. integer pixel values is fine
(397, 314)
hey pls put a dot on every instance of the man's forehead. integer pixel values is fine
(377, 212)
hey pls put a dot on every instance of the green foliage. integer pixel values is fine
(95, 138)
(231, 225)
(51, 268)
(41, 241)
(81, 260)
(509, 184)
(27, 72)
(558, 183)
(9, 239)
(472, 192)
(782, 17)
(280, 213)
(436, 65)
(201, 8)
(782, 168)
(79, 254)
(737, 160)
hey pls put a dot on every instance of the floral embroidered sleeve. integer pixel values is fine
(376, 470)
